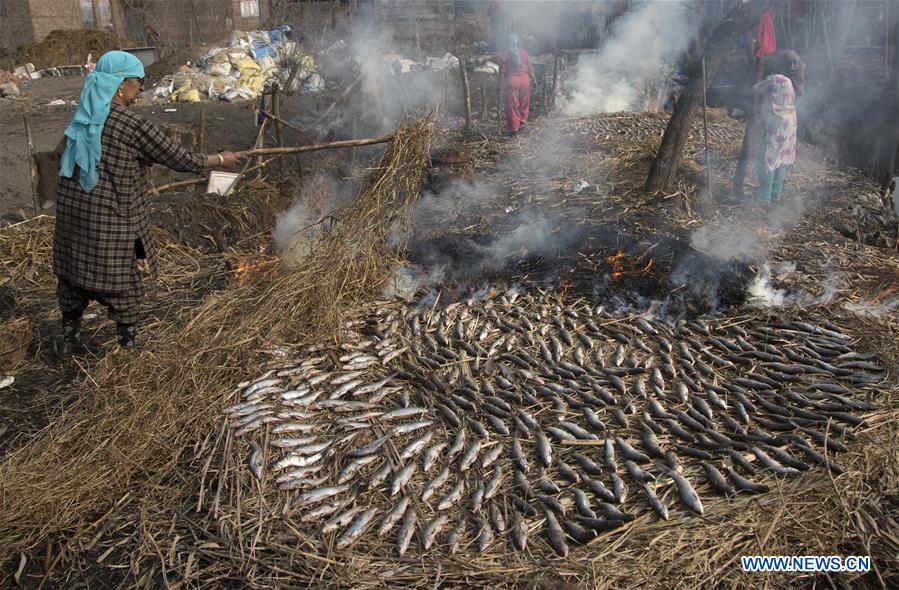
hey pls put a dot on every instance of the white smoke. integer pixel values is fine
(298, 227)
(613, 79)
(762, 293)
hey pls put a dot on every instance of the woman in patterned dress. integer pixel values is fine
(778, 110)
(102, 221)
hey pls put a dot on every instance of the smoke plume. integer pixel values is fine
(639, 46)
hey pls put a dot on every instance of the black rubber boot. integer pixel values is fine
(71, 334)
(126, 334)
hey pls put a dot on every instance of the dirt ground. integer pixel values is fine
(230, 126)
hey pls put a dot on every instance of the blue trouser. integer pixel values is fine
(771, 182)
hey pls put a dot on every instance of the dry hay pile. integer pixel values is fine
(69, 47)
(140, 417)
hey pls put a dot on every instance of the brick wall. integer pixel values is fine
(51, 15)
(15, 24)
(178, 22)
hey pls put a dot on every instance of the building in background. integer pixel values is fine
(168, 23)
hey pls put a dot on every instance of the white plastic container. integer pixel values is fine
(221, 183)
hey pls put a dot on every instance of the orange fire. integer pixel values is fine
(622, 265)
(564, 287)
(246, 269)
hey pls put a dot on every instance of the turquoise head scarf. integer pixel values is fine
(513, 50)
(86, 127)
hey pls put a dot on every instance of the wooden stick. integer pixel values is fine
(466, 94)
(354, 150)
(200, 180)
(278, 119)
(32, 166)
(311, 148)
(555, 89)
(340, 97)
(279, 135)
(705, 132)
(201, 140)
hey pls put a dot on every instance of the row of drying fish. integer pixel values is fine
(485, 421)
(642, 126)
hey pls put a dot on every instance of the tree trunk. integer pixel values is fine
(891, 149)
(666, 164)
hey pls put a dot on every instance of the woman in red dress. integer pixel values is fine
(517, 72)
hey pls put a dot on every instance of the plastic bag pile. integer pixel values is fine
(242, 70)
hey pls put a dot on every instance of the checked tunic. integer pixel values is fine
(100, 235)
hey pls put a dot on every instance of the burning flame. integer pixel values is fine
(622, 265)
(247, 269)
(564, 287)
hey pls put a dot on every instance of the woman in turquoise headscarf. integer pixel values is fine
(102, 222)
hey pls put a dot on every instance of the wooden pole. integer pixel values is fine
(340, 97)
(279, 134)
(280, 151)
(35, 197)
(705, 132)
(355, 149)
(825, 36)
(201, 140)
(466, 94)
(556, 74)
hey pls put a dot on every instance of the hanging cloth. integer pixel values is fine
(765, 41)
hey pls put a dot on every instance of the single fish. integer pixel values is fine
(491, 455)
(687, 492)
(416, 446)
(743, 484)
(351, 468)
(255, 460)
(433, 485)
(430, 531)
(657, 505)
(369, 448)
(556, 535)
(582, 503)
(544, 449)
(356, 528)
(493, 484)
(496, 517)
(293, 460)
(402, 477)
(346, 377)
(324, 510)
(717, 479)
(476, 499)
(470, 455)
(431, 455)
(403, 413)
(452, 496)
(518, 533)
(412, 427)
(392, 517)
(341, 520)
(319, 494)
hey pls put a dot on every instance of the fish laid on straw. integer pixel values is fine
(524, 409)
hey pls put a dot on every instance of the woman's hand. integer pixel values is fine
(223, 159)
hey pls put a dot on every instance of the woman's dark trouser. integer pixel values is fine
(123, 308)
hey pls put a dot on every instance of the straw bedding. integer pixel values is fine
(138, 471)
